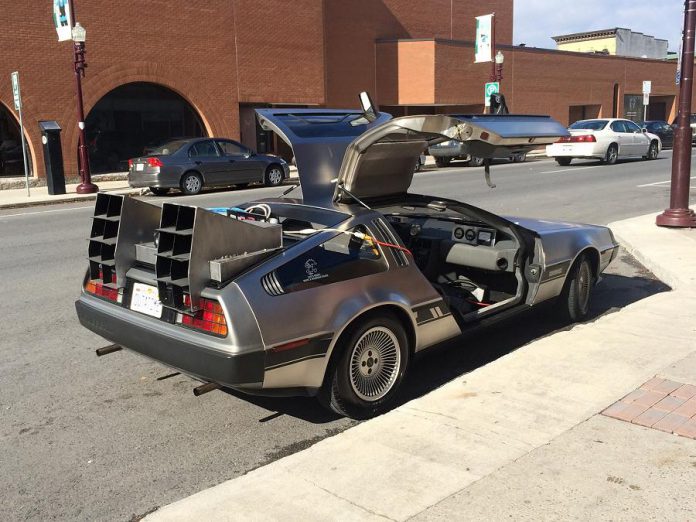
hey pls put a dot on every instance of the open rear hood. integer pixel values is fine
(381, 161)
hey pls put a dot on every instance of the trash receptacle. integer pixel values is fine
(53, 156)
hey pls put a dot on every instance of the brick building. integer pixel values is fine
(164, 68)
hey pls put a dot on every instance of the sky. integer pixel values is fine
(537, 20)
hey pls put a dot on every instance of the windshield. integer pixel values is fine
(168, 148)
(589, 124)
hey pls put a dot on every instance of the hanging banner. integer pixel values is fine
(483, 51)
(62, 19)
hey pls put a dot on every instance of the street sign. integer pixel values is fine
(491, 88)
(15, 91)
(647, 86)
(646, 98)
(17, 95)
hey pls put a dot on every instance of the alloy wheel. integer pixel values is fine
(192, 184)
(375, 363)
(275, 176)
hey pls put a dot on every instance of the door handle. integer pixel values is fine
(198, 162)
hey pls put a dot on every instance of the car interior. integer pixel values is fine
(472, 263)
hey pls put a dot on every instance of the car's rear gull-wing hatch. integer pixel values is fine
(380, 162)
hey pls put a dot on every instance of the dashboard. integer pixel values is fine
(470, 233)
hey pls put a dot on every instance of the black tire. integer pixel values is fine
(443, 161)
(159, 191)
(612, 154)
(564, 162)
(357, 393)
(191, 183)
(274, 175)
(475, 162)
(653, 151)
(574, 305)
(519, 158)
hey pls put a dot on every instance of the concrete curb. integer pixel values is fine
(69, 199)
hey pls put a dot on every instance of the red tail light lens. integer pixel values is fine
(154, 162)
(583, 138)
(130, 163)
(98, 288)
(209, 319)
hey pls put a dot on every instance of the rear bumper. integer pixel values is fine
(151, 179)
(163, 342)
(576, 150)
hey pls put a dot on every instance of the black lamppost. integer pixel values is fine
(678, 214)
(78, 36)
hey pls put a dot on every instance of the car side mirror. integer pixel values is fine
(644, 129)
(248, 154)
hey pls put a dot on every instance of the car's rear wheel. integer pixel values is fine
(564, 162)
(612, 154)
(519, 158)
(274, 176)
(443, 161)
(577, 292)
(191, 183)
(159, 191)
(475, 161)
(373, 359)
(653, 151)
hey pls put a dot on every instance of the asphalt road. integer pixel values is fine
(83, 438)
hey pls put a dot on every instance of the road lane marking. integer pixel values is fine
(2, 216)
(659, 183)
(567, 170)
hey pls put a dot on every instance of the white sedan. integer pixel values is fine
(605, 139)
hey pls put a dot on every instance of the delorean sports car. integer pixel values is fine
(332, 294)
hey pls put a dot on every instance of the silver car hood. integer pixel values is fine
(339, 153)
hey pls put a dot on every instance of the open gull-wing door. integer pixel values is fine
(318, 138)
(380, 161)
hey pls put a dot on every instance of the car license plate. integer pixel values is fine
(145, 299)
(139, 166)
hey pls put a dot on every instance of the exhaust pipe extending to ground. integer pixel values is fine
(205, 388)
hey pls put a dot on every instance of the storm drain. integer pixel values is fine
(661, 404)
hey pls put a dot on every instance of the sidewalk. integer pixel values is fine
(16, 198)
(518, 438)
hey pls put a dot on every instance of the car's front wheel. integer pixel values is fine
(564, 162)
(577, 292)
(159, 191)
(653, 151)
(443, 161)
(373, 359)
(274, 176)
(191, 183)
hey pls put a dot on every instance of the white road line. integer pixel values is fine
(659, 183)
(568, 170)
(46, 211)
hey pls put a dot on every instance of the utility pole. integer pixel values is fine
(678, 214)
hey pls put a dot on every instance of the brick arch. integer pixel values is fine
(27, 139)
(102, 83)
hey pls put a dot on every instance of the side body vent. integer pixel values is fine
(271, 284)
(197, 246)
(119, 224)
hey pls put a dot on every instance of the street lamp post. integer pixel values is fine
(499, 59)
(678, 214)
(78, 36)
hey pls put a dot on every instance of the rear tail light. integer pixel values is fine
(130, 163)
(155, 162)
(583, 138)
(99, 288)
(210, 318)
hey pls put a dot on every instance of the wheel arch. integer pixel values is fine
(394, 309)
(590, 252)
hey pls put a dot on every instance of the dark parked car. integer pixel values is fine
(191, 164)
(662, 129)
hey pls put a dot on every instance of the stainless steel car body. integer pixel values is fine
(355, 175)
(216, 164)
